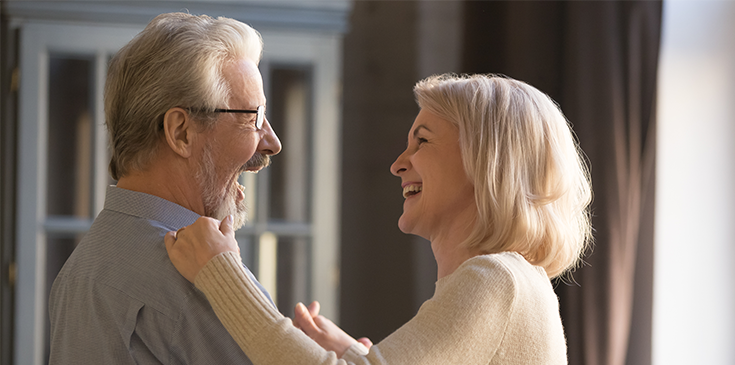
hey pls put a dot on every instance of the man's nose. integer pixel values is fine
(269, 144)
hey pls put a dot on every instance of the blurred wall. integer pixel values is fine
(379, 71)
(694, 284)
(385, 274)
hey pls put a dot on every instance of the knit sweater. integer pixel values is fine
(494, 309)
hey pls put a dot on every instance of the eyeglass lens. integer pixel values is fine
(260, 116)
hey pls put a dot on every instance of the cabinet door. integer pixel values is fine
(291, 240)
(62, 164)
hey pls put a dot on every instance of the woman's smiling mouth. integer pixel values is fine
(411, 189)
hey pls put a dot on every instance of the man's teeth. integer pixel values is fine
(409, 190)
(240, 191)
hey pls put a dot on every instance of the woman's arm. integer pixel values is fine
(266, 336)
(463, 323)
(206, 253)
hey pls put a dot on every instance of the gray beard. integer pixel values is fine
(219, 204)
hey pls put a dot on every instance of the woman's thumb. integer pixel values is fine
(226, 226)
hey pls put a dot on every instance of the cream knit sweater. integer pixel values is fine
(494, 309)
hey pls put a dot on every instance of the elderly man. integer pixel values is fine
(185, 110)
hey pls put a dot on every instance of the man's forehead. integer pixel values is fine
(245, 81)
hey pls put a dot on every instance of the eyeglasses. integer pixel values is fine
(260, 114)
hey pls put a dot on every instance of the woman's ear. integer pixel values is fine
(179, 130)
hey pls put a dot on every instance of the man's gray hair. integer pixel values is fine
(176, 61)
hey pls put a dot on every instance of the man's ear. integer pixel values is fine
(179, 131)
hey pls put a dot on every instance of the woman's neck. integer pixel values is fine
(447, 242)
(450, 256)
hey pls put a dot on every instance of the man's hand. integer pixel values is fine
(324, 331)
(190, 248)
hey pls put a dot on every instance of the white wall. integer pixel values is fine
(694, 287)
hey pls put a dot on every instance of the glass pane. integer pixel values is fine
(250, 181)
(289, 113)
(247, 251)
(70, 157)
(294, 273)
(70, 137)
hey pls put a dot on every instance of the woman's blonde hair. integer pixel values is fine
(532, 185)
(177, 60)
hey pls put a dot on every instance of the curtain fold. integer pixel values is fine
(598, 59)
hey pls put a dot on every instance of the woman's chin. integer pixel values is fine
(405, 225)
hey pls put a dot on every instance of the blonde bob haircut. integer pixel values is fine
(532, 185)
(176, 61)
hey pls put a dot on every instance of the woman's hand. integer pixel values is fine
(190, 248)
(327, 334)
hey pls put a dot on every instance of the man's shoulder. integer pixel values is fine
(117, 241)
(127, 254)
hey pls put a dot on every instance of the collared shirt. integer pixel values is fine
(119, 300)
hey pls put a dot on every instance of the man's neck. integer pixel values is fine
(170, 184)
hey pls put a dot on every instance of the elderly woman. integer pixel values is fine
(493, 178)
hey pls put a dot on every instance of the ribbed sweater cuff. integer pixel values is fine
(355, 352)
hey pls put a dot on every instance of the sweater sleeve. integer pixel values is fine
(264, 334)
(463, 323)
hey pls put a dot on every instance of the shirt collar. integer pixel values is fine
(134, 203)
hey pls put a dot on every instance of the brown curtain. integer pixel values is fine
(598, 59)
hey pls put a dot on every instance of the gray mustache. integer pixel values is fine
(258, 160)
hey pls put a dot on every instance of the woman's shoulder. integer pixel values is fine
(509, 262)
(491, 283)
(508, 268)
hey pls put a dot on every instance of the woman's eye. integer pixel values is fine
(422, 140)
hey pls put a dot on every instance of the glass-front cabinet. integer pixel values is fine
(291, 240)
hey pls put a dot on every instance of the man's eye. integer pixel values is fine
(422, 140)
(247, 121)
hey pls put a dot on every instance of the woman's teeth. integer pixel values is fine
(409, 190)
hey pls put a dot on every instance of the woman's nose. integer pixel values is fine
(400, 165)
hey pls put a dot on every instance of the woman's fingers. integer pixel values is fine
(226, 228)
(314, 308)
(191, 247)
(169, 239)
(304, 321)
(180, 256)
(321, 329)
(330, 336)
(365, 341)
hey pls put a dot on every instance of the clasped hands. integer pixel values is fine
(190, 248)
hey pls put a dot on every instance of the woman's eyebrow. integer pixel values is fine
(418, 127)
